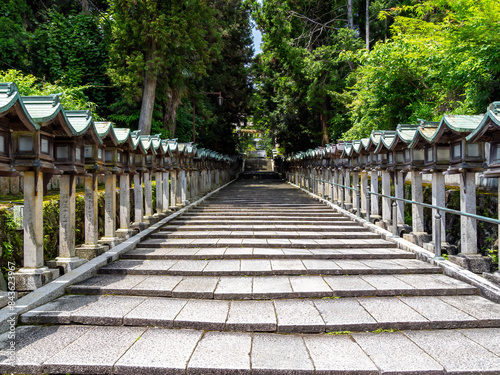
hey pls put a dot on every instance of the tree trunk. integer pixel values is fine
(350, 22)
(170, 105)
(148, 93)
(85, 6)
(368, 25)
(324, 126)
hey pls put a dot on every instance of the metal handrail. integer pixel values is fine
(439, 209)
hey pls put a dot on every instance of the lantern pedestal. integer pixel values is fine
(418, 238)
(29, 279)
(473, 262)
(67, 264)
(90, 251)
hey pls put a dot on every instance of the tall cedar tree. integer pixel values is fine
(159, 37)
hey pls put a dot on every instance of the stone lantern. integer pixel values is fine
(140, 168)
(125, 162)
(385, 158)
(18, 126)
(465, 159)
(434, 162)
(148, 166)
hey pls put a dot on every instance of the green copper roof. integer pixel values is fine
(9, 97)
(80, 121)
(489, 124)
(406, 132)
(42, 108)
(386, 141)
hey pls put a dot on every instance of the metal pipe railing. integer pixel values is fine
(439, 210)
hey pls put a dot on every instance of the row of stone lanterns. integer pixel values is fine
(39, 139)
(456, 145)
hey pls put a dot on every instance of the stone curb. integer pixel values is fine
(487, 288)
(57, 287)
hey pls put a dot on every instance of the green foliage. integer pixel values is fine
(13, 36)
(70, 50)
(443, 58)
(72, 98)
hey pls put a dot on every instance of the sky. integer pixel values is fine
(257, 37)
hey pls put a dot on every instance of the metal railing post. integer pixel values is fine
(368, 204)
(437, 245)
(342, 198)
(358, 200)
(394, 218)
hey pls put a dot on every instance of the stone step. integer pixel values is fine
(325, 210)
(272, 287)
(267, 253)
(280, 315)
(360, 233)
(269, 214)
(87, 349)
(344, 227)
(220, 221)
(338, 221)
(263, 206)
(268, 267)
(271, 243)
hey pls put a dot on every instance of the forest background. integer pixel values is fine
(328, 70)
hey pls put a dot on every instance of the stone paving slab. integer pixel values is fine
(456, 352)
(203, 314)
(156, 286)
(338, 355)
(108, 310)
(155, 311)
(251, 316)
(196, 287)
(159, 351)
(35, 345)
(222, 353)
(345, 314)
(264, 228)
(280, 354)
(95, 352)
(394, 353)
(234, 288)
(298, 316)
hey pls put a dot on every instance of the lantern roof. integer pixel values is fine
(488, 129)
(10, 101)
(48, 111)
(386, 141)
(124, 137)
(452, 126)
(82, 124)
(105, 131)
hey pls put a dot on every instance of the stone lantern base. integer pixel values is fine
(29, 279)
(67, 264)
(473, 262)
(90, 251)
(418, 238)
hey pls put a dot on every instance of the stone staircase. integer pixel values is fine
(263, 279)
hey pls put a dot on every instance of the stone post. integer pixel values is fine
(355, 182)
(333, 190)
(399, 192)
(374, 209)
(148, 198)
(173, 188)
(166, 191)
(159, 193)
(438, 199)
(386, 202)
(138, 203)
(34, 274)
(364, 190)
(67, 207)
(417, 236)
(124, 232)
(92, 248)
(110, 238)
(347, 192)
(468, 226)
